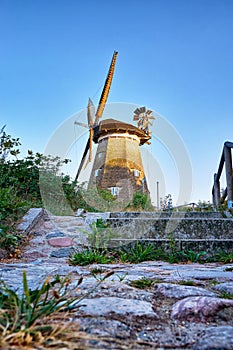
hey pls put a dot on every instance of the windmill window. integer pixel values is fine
(100, 155)
(97, 172)
(115, 191)
(136, 173)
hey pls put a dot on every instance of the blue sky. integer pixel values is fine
(175, 56)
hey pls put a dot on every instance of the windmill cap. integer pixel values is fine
(108, 126)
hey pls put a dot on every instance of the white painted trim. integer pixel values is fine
(124, 135)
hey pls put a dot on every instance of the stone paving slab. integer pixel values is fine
(116, 305)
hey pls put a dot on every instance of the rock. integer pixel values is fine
(3, 254)
(61, 242)
(216, 338)
(105, 306)
(35, 255)
(30, 220)
(79, 212)
(55, 235)
(199, 309)
(103, 327)
(114, 288)
(92, 217)
(39, 240)
(61, 253)
(171, 290)
(225, 287)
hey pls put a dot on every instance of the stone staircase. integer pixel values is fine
(208, 231)
(199, 231)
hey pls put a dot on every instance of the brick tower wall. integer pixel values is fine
(116, 160)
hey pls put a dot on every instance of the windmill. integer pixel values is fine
(117, 165)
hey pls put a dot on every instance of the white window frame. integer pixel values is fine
(115, 191)
(136, 172)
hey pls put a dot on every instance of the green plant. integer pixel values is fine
(186, 283)
(8, 145)
(19, 313)
(226, 257)
(100, 235)
(222, 256)
(97, 273)
(140, 201)
(190, 255)
(7, 239)
(122, 277)
(90, 256)
(173, 255)
(97, 270)
(142, 283)
(136, 253)
(225, 295)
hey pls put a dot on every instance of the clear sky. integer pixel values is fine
(175, 56)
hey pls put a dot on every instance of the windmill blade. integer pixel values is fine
(90, 142)
(90, 112)
(2, 129)
(137, 111)
(83, 159)
(106, 89)
(142, 110)
(81, 124)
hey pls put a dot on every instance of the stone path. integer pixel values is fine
(184, 308)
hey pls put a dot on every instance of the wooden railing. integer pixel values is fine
(226, 159)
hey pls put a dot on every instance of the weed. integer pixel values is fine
(142, 283)
(224, 257)
(225, 295)
(90, 256)
(136, 253)
(97, 273)
(190, 255)
(19, 314)
(173, 256)
(186, 283)
(213, 283)
(122, 277)
(100, 235)
(97, 270)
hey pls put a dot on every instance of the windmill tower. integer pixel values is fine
(118, 165)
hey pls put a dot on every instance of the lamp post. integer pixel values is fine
(158, 195)
(143, 185)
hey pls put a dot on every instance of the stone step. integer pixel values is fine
(209, 234)
(199, 228)
(165, 215)
(196, 245)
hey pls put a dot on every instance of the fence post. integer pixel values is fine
(216, 192)
(228, 167)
